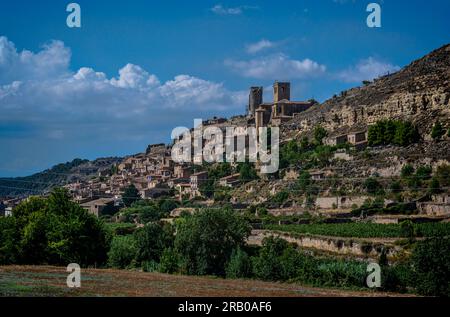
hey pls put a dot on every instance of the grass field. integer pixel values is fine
(51, 281)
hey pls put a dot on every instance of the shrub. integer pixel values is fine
(319, 134)
(206, 240)
(443, 175)
(169, 262)
(372, 186)
(151, 241)
(435, 187)
(431, 263)
(438, 131)
(267, 266)
(240, 265)
(424, 172)
(130, 195)
(55, 231)
(407, 171)
(122, 253)
(388, 132)
(9, 239)
(280, 197)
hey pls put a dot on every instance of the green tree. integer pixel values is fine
(280, 197)
(437, 132)
(169, 262)
(435, 187)
(319, 134)
(387, 132)
(407, 171)
(151, 240)
(396, 187)
(123, 252)
(431, 265)
(240, 265)
(277, 260)
(247, 172)
(57, 231)
(372, 186)
(424, 172)
(304, 143)
(443, 175)
(9, 239)
(304, 181)
(406, 133)
(130, 195)
(206, 240)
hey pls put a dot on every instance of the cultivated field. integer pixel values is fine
(51, 281)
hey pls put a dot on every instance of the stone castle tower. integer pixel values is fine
(281, 91)
(254, 100)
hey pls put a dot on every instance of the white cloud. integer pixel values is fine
(276, 66)
(367, 69)
(86, 108)
(53, 60)
(259, 46)
(133, 76)
(26, 83)
(221, 10)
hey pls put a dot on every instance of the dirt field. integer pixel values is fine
(51, 281)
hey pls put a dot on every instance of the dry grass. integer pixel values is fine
(51, 281)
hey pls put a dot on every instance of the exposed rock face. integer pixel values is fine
(420, 93)
(363, 248)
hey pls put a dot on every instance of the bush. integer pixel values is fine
(247, 172)
(267, 266)
(151, 241)
(438, 131)
(9, 239)
(388, 132)
(169, 262)
(319, 134)
(280, 197)
(54, 231)
(431, 263)
(407, 171)
(443, 175)
(130, 195)
(206, 240)
(122, 253)
(372, 186)
(435, 186)
(239, 266)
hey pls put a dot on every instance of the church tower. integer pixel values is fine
(255, 99)
(281, 91)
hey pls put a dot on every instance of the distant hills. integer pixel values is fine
(58, 175)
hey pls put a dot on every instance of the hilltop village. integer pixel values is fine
(379, 153)
(363, 179)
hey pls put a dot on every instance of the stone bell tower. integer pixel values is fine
(254, 100)
(281, 91)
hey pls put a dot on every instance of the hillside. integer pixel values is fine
(420, 92)
(58, 175)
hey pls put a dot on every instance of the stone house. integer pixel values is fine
(439, 206)
(100, 206)
(230, 181)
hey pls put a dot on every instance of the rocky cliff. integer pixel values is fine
(419, 92)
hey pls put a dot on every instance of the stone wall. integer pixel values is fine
(342, 246)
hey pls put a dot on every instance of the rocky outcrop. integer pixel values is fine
(367, 248)
(419, 93)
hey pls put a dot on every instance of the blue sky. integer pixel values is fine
(136, 69)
